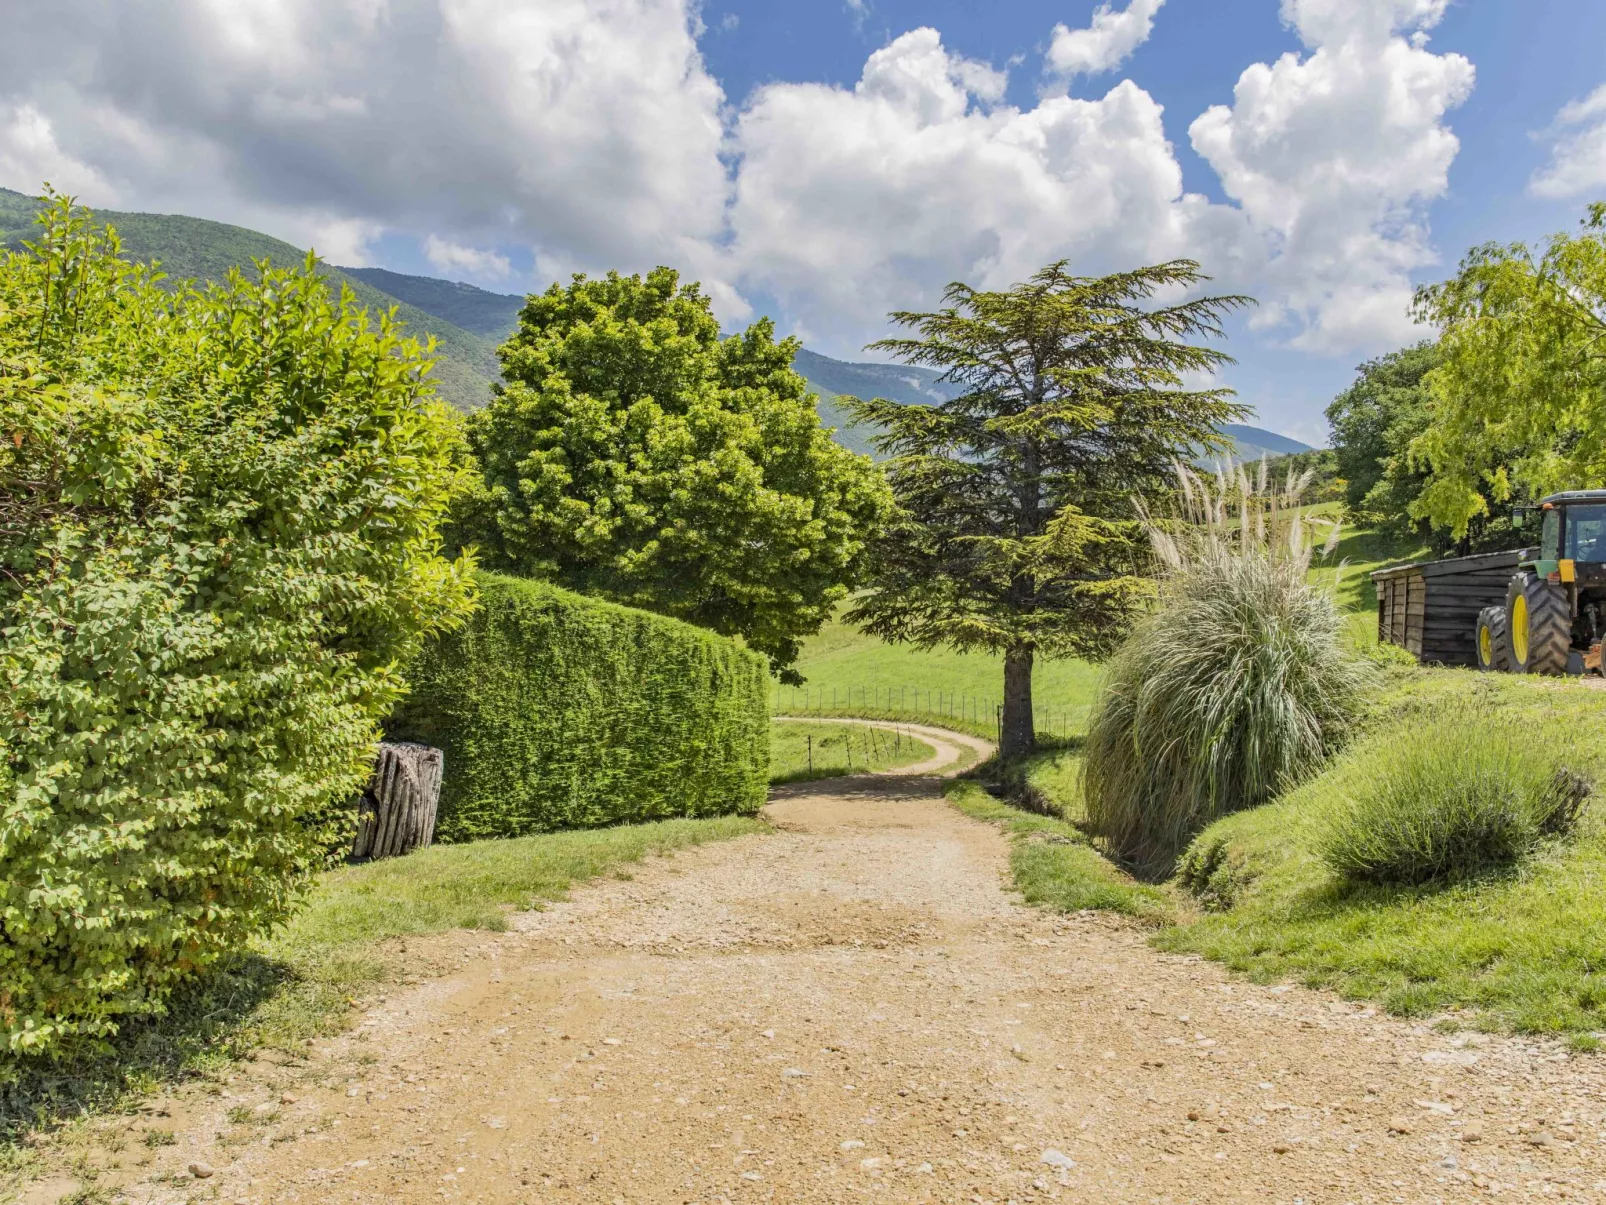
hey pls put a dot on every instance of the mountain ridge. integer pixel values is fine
(469, 322)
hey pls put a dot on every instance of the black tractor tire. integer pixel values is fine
(1549, 625)
(1493, 652)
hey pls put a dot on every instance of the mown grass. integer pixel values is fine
(1521, 947)
(852, 674)
(1053, 865)
(303, 982)
(806, 750)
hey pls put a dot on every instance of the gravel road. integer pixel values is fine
(854, 1008)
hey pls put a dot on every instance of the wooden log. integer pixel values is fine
(396, 814)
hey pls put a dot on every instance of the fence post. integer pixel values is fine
(811, 757)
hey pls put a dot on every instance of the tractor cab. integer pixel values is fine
(1554, 617)
(1571, 531)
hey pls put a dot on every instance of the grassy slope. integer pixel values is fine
(1524, 949)
(837, 749)
(302, 982)
(492, 316)
(195, 249)
(1053, 864)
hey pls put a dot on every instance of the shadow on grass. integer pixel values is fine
(207, 1023)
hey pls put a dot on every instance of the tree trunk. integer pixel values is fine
(397, 812)
(1019, 734)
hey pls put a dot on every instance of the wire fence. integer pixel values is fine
(982, 714)
(854, 749)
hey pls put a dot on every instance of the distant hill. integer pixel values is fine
(922, 386)
(489, 315)
(1255, 442)
(469, 323)
(897, 382)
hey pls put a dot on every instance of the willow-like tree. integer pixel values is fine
(1518, 400)
(1016, 534)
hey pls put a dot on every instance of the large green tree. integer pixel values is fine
(1519, 398)
(636, 455)
(1373, 423)
(1015, 533)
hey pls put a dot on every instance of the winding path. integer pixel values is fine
(949, 747)
(855, 1008)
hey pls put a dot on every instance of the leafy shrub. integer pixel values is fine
(635, 455)
(1449, 801)
(557, 711)
(217, 542)
(1238, 685)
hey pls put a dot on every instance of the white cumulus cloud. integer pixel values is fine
(31, 157)
(1578, 157)
(1333, 158)
(591, 133)
(852, 202)
(449, 258)
(584, 129)
(1104, 45)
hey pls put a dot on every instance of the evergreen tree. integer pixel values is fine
(1015, 534)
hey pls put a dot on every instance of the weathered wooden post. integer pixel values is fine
(397, 812)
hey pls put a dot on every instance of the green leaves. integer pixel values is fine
(560, 712)
(1016, 531)
(635, 455)
(1520, 395)
(218, 538)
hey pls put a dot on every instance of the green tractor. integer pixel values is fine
(1554, 616)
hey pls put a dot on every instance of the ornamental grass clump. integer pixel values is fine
(1238, 684)
(1458, 798)
(219, 516)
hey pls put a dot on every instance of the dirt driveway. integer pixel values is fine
(854, 1009)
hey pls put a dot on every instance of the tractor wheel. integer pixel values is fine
(1494, 653)
(1539, 626)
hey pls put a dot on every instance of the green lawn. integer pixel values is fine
(1521, 949)
(806, 750)
(346, 943)
(851, 674)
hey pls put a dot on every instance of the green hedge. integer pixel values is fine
(558, 711)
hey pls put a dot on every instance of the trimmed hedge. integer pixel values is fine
(558, 711)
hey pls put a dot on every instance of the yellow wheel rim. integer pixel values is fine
(1485, 646)
(1519, 630)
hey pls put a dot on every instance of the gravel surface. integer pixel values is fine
(855, 1009)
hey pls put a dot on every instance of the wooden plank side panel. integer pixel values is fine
(1454, 600)
(1416, 599)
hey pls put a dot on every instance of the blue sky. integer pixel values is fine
(1531, 60)
(824, 162)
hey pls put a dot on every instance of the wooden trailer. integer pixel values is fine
(1431, 608)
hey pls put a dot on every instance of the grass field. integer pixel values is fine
(851, 674)
(801, 752)
(1521, 948)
